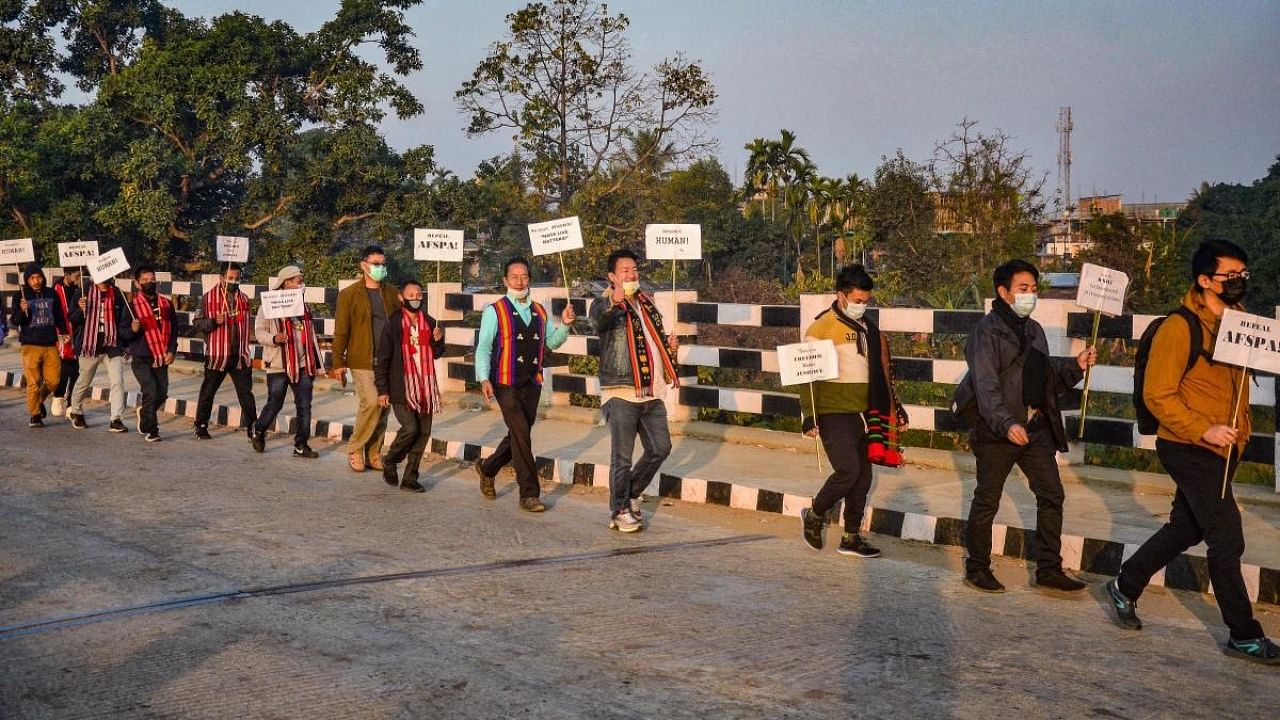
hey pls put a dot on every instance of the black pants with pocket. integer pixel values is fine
(844, 437)
(519, 407)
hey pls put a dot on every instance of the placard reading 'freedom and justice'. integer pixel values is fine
(277, 304)
(108, 265)
(439, 245)
(806, 362)
(555, 236)
(77, 254)
(1102, 289)
(233, 249)
(673, 242)
(1251, 341)
(16, 252)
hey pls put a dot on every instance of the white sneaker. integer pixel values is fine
(58, 408)
(625, 522)
(636, 509)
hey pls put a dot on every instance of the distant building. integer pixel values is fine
(1064, 236)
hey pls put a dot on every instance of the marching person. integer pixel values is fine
(291, 359)
(850, 409)
(1014, 385)
(223, 319)
(37, 313)
(363, 309)
(69, 291)
(405, 375)
(152, 337)
(637, 370)
(1193, 399)
(515, 333)
(103, 308)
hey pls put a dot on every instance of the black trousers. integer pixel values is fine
(1199, 513)
(154, 384)
(412, 437)
(67, 381)
(844, 437)
(519, 407)
(242, 378)
(996, 459)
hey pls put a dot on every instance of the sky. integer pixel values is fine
(1164, 95)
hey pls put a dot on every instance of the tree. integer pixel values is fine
(900, 215)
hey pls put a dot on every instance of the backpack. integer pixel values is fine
(1147, 422)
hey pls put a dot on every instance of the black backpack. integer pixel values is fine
(1147, 423)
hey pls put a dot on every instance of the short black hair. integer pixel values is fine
(1003, 276)
(407, 283)
(371, 250)
(229, 267)
(1205, 259)
(854, 277)
(143, 269)
(617, 255)
(517, 260)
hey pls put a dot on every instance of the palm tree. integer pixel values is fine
(759, 168)
(824, 196)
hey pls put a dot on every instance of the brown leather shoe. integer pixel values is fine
(375, 462)
(486, 482)
(532, 505)
(355, 461)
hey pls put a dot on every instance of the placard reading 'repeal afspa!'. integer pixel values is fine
(673, 242)
(441, 245)
(806, 362)
(77, 254)
(1102, 289)
(1251, 341)
(555, 236)
(16, 252)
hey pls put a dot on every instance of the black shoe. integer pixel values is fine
(117, 426)
(258, 440)
(1261, 650)
(43, 412)
(1059, 580)
(853, 544)
(77, 422)
(813, 528)
(412, 486)
(36, 421)
(1126, 610)
(153, 436)
(983, 580)
(249, 432)
(532, 504)
(202, 433)
(304, 451)
(411, 464)
(486, 481)
(389, 474)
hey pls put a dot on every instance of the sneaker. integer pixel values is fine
(258, 440)
(1126, 610)
(117, 427)
(983, 580)
(58, 407)
(153, 436)
(636, 510)
(77, 422)
(202, 433)
(1261, 650)
(35, 422)
(389, 474)
(813, 528)
(486, 482)
(248, 431)
(625, 522)
(533, 505)
(1059, 580)
(853, 544)
(304, 451)
(43, 413)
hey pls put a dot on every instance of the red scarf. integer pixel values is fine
(420, 389)
(217, 352)
(66, 350)
(298, 355)
(156, 325)
(100, 307)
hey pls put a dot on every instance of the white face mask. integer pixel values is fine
(520, 295)
(1023, 304)
(854, 311)
(631, 287)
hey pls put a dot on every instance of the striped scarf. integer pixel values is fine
(421, 391)
(217, 352)
(100, 308)
(156, 324)
(648, 320)
(299, 354)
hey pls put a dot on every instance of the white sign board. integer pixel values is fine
(800, 363)
(16, 252)
(233, 249)
(1102, 289)
(108, 265)
(555, 236)
(673, 242)
(77, 254)
(278, 304)
(1251, 341)
(439, 245)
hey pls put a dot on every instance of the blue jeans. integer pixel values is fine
(625, 420)
(277, 384)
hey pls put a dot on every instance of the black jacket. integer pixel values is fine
(137, 341)
(388, 371)
(609, 321)
(75, 315)
(47, 334)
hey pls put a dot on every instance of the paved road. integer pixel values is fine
(710, 613)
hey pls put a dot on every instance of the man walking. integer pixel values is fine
(847, 408)
(1193, 399)
(152, 338)
(292, 360)
(406, 378)
(223, 319)
(104, 309)
(1014, 385)
(363, 309)
(514, 334)
(37, 313)
(637, 370)
(69, 291)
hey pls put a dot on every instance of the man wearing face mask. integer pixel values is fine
(406, 380)
(103, 308)
(223, 319)
(363, 309)
(152, 336)
(1193, 399)
(70, 297)
(864, 390)
(291, 359)
(515, 333)
(1014, 386)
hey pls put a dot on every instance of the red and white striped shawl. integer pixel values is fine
(217, 351)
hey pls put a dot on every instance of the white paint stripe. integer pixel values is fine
(1072, 551)
(693, 490)
(914, 320)
(793, 504)
(743, 497)
(916, 526)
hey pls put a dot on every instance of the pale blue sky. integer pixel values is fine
(1164, 94)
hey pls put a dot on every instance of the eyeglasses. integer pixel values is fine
(1243, 274)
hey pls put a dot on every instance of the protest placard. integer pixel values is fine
(555, 236)
(438, 245)
(232, 249)
(673, 242)
(108, 265)
(277, 304)
(77, 254)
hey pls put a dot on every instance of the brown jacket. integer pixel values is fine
(353, 325)
(1187, 405)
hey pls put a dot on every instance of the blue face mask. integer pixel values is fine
(1023, 304)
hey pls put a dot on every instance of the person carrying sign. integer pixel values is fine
(103, 308)
(406, 378)
(1193, 402)
(291, 359)
(851, 409)
(37, 313)
(152, 336)
(223, 319)
(515, 333)
(1011, 393)
(69, 292)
